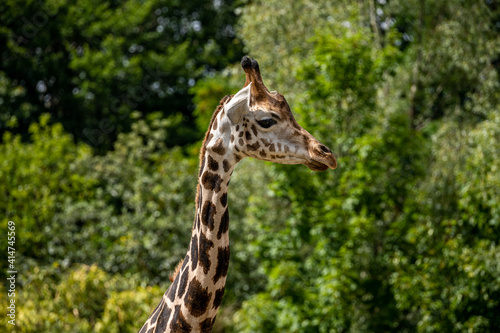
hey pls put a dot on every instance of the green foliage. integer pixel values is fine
(84, 299)
(403, 236)
(126, 310)
(452, 253)
(91, 63)
(36, 179)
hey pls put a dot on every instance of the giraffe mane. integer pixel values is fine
(176, 271)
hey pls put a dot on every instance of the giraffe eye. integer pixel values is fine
(266, 123)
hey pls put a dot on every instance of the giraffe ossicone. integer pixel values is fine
(252, 123)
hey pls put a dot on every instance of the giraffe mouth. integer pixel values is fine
(316, 166)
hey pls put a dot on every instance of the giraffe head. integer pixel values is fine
(262, 126)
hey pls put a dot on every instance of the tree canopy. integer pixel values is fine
(91, 63)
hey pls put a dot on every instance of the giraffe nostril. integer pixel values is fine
(325, 149)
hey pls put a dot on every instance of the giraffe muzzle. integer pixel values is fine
(321, 158)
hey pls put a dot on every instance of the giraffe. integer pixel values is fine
(252, 123)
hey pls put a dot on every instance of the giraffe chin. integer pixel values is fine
(316, 166)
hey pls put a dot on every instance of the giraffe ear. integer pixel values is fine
(239, 104)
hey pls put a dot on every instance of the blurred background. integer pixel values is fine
(103, 106)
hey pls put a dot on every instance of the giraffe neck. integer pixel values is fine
(191, 302)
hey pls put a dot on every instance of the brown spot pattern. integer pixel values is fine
(183, 283)
(224, 224)
(200, 197)
(158, 310)
(253, 147)
(206, 325)
(194, 252)
(254, 130)
(226, 165)
(211, 181)
(212, 164)
(223, 200)
(218, 298)
(265, 142)
(219, 147)
(204, 252)
(197, 298)
(222, 263)
(208, 215)
(162, 322)
(179, 323)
